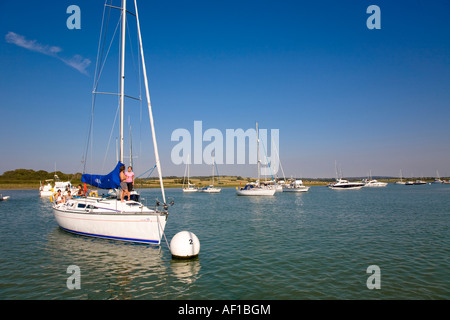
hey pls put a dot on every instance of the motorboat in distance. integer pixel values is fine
(342, 184)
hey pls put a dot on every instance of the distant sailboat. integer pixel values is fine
(211, 188)
(256, 189)
(187, 185)
(438, 178)
(401, 179)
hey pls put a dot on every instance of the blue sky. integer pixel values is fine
(368, 99)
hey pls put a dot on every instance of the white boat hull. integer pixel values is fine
(211, 190)
(48, 193)
(256, 192)
(346, 187)
(342, 184)
(144, 225)
(45, 194)
(301, 189)
(190, 190)
(376, 185)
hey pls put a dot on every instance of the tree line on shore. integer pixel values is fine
(20, 176)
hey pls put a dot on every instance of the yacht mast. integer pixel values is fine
(257, 151)
(144, 71)
(122, 76)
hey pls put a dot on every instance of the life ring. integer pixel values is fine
(93, 194)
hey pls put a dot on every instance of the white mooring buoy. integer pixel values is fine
(184, 245)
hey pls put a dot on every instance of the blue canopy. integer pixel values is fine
(109, 181)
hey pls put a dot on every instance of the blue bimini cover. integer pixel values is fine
(109, 181)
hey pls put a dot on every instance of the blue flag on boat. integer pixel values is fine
(109, 181)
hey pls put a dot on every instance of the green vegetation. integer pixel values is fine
(30, 179)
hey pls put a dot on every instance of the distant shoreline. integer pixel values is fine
(170, 183)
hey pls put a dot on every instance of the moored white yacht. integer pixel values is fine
(295, 186)
(211, 188)
(438, 178)
(257, 189)
(375, 183)
(401, 179)
(109, 217)
(342, 184)
(46, 189)
(190, 188)
(187, 185)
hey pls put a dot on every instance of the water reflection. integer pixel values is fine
(114, 268)
(118, 270)
(186, 271)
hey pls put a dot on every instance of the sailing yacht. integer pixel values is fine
(187, 185)
(211, 188)
(401, 179)
(107, 216)
(438, 178)
(256, 189)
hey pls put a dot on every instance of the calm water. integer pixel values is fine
(316, 245)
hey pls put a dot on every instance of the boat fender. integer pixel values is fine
(53, 196)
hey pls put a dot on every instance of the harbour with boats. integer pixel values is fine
(143, 235)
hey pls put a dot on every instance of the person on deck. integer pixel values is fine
(80, 191)
(123, 184)
(59, 198)
(130, 179)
